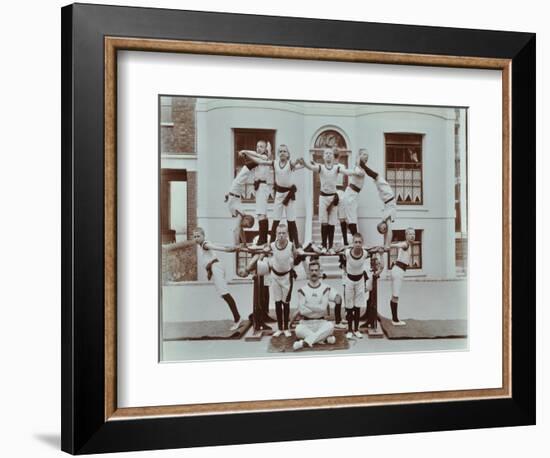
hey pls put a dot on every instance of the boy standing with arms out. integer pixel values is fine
(280, 264)
(328, 197)
(213, 267)
(285, 190)
(398, 271)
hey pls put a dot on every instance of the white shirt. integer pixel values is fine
(313, 301)
(282, 259)
(355, 180)
(329, 177)
(262, 171)
(206, 255)
(404, 254)
(355, 266)
(283, 175)
(385, 192)
(237, 186)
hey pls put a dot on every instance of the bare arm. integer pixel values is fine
(257, 158)
(217, 247)
(351, 172)
(312, 166)
(402, 245)
(177, 246)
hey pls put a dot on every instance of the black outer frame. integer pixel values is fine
(84, 429)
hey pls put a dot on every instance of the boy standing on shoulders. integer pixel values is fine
(328, 197)
(285, 189)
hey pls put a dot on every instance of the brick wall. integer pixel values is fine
(191, 273)
(180, 138)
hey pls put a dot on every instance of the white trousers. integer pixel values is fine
(218, 277)
(313, 331)
(278, 207)
(354, 293)
(350, 205)
(324, 216)
(397, 274)
(280, 286)
(262, 195)
(390, 209)
(234, 205)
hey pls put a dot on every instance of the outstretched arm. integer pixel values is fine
(178, 245)
(352, 172)
(403, 245)
(218, 247)
(257, 158)
(312, 166)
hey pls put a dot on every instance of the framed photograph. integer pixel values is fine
(284, 228)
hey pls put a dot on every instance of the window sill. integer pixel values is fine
(412, 208)
(189, 155)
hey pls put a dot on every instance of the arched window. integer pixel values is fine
(329, 139)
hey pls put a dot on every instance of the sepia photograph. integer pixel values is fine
(301, 228)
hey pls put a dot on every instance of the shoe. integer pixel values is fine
(398, 323)
(277, 333)
(341, 326)
(349, 335)
(331, 251)
(331, 340)
(298, 344)
(323, 250)
(235, 326)
(287, 333)
(358, 334)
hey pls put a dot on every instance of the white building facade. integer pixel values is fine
(431, 193)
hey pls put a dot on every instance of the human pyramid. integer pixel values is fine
(273, 261)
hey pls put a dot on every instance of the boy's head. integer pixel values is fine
(328, 155)
(382, 227)
(284, 152)
(261, 147)
(357, 240)
(247, 221)
(198, 234)
(282, 233)
(410, 234)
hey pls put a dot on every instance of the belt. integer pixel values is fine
(355, 277)
(389, 200)
(307, 319)
(280, 274)
(281, 188)
(291, 193)
(402, 265)
(356, 188)
(328, 194)
(257, 184)
(234, 195)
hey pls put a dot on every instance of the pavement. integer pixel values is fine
(420, 299)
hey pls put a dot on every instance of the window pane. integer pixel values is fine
(404, 167)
